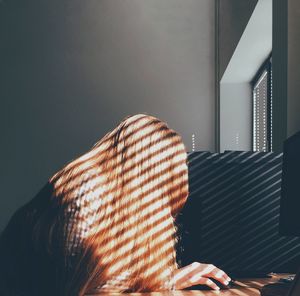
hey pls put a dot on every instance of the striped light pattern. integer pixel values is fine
(232, 215)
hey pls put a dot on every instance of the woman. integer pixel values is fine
(105, 222)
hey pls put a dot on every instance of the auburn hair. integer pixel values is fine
(137, 182)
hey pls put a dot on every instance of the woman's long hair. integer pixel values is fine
(135, 182)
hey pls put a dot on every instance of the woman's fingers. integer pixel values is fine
(220, 276)
(196, 280)
(208, 282)
(199, 274)
(211, 271)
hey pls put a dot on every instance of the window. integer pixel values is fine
(262, 108)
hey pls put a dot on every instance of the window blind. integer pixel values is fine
(262, 111)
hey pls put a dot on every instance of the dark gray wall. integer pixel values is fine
(279, 64)
(70, 70)
(286, 72)
(293, 104)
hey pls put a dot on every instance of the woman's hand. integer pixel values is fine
(199, 274)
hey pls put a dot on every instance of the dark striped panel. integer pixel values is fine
(232, 215)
